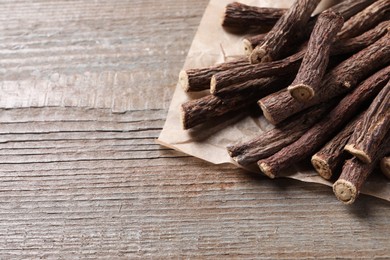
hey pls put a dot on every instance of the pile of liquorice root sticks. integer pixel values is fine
(322, 80)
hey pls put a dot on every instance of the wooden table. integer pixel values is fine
(85, 88)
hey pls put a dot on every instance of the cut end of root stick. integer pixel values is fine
(360, 154)
(266, 170)
(301, 92)
(345, 191)
(266, 113)
(183, 79)
(247, 47)
(321, 167)
(259, 55)
(213, 85)
(183, 119)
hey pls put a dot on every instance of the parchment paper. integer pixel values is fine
(212, 44)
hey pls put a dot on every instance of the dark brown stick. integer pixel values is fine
(344, 77)
(321, 132)
(198, 111)
(349, 8)
(275, 139)
(285, 32)
(241, 17)
(193, 80)
(291, 64)
(330, 158)
(355, 173)
(359, 42)
(199, 79)
(366, 19)
(346, 9)
(385, 166)
(253, 87)
(316, 58)
(369, 133)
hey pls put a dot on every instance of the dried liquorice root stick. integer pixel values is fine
(199, 79)
(349, 8)
(323, 131)
(291, 64)
(281, 105)
(253, 87)
(331, 157)
(366, 19)
(355, 173)
(368, 135)
(275, 139)
(198, 111)
(361, 41)
(285, 31)
(243, 17)
(316, 58)
(385, 166)
(346, 9)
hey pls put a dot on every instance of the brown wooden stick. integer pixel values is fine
(349, 8)
(198, 111)
(363, 40)
(275, 139)
(366, 19)
(344, 77)
(355, 173)
(285, 32)
(385, 166)
(321, 132)
(330, 158)
(193, 80)
(346, 9)
(291, 64)
(369, 133)
(241, 17)
(199, 79)
(286, 66)
(316, 58)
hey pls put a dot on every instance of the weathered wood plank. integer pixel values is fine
(78, 182)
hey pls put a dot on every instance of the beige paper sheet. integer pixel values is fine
(211, 45)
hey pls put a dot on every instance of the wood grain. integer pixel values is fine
(78, 181)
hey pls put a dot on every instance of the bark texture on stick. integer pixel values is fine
(193, 80)
(361, 41)
(316, 58)
(253, 87)
(344, 77)
(385, 166)
(243, 17)
(329, 160)
(291, 64)
(323, 131)
(198, 111)
(349, 8)
(285, 32)
(275, 139)
(346, 9)
(369, 133)
(375, 13)
(355, 173)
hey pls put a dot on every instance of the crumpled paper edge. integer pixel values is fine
(210, 45)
